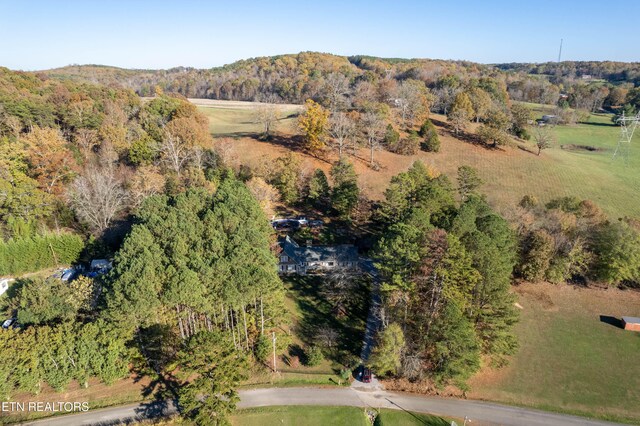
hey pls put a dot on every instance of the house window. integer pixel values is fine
(330, 263)
(291, 268)
(284, 259)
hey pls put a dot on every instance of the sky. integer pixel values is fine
(203, 34)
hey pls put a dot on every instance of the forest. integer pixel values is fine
(311, 75)
(97, 162)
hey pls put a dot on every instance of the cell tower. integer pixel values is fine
(627, 127)
(560, 52)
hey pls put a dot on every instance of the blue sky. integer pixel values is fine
(162, 34)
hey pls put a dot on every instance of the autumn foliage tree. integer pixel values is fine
(50, 161)
(314, 124)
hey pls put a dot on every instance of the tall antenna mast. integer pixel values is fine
(560, 52)
(627, 127)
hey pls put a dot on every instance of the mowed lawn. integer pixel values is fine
(508, 173)
(300, 415)
(321, 416)
(569, 359)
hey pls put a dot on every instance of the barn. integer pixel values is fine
(631, 323)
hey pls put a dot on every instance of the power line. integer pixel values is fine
(627, 127)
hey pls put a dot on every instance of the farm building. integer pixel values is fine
(631, 323)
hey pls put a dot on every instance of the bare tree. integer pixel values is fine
(87, 140)
(175, 153)
(98, 196)
(342, 129)
(327, 336)
(337, 89)
(267, 116)
(412, 100)
(544, 138)
(374, 130)
(443, 99)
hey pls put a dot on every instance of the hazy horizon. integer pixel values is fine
(162, 35)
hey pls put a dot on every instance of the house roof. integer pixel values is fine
(631, 320)
(343, 252)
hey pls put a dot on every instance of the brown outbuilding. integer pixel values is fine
(631, 323)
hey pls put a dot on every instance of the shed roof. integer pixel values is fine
(631, 320)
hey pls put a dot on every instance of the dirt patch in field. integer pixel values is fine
(581, 148)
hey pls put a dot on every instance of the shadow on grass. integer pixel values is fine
(527, 150)
(431, 421)
(588, 123)
(616, 322)
(319, 313)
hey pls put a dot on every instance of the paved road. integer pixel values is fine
(481, 413)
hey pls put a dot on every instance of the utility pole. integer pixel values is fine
(273, 336)
(628, 126)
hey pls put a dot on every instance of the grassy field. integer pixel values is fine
(321, 416)
(570, 359)
(508, 173)
(237, 118)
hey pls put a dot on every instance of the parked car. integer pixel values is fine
(316, 223)
(68, 274)
(8, 323)
(366, 375)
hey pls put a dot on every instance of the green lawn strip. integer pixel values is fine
(298, 415)
(388, 417)
(288, 379)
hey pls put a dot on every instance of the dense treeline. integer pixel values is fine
(572, 240)
(446, 271)
(309, 75)
(193, 292)
(288, 78)
(83, 156)
(613, 72)
(80, 162)
(39, 252)
(58, 354)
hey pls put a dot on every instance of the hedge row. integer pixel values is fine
(40, 252)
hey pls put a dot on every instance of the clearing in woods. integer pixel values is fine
(508, 173)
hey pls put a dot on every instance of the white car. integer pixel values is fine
(8, 323)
